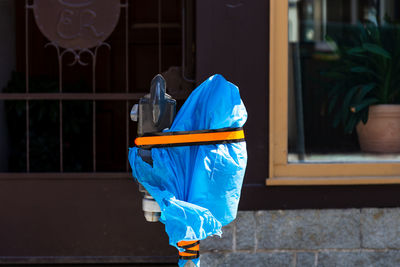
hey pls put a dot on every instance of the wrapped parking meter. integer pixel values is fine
(197, 165)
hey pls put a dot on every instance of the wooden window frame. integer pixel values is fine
(280, 171)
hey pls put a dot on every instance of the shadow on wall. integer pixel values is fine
(7, 55)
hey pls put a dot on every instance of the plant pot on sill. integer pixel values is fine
(381, 133)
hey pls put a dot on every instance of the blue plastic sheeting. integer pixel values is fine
(198, 187)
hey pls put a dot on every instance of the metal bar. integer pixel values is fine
(60, 88)
(61, 137)
(27, 6)
(354, 11)
(126, 48)
(94, 134)
(127, 119)
(94, 110)
(324, 19)
(26, 47)
(184, 44)
(159, 37)
(71, 96)
(155, 25)
(94, 137)
(61, 113)
(27, 136)
(381, 12)
(94, 61)
(65, 175)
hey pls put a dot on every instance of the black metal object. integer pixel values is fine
(154, 113)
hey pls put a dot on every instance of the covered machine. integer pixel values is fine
(194, 170)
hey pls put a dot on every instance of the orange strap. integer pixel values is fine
(192, 249)
(203, 137)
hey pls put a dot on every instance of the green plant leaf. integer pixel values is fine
(366, 103)
(356, 51)
(351, 124)
(365, 89)
(332, 103)
(376, 49)
(347, 100)
(369, 61)
(334, 90)
(360, 69)
(336, 120)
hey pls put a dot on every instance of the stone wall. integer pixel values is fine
(350, 237)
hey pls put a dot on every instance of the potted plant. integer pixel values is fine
(365, 85)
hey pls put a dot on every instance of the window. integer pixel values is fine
(64, 105)
(307, 146)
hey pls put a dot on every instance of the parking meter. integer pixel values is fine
(196, 167)
(154, 113)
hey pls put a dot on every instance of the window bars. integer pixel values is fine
(88, 9)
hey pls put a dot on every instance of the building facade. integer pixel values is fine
(311, 196)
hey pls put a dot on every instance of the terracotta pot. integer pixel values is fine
(382, 131)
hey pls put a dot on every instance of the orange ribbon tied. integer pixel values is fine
(202, 137)
(191, 250)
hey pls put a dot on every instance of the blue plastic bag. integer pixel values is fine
(198, 187)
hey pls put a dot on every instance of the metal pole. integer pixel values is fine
(159, 37)
(184, 44)
(27, 7)
(127, 79)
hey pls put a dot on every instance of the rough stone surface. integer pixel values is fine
(223, 243)
(308, 229)
(359, 259)
(240, 259)
(211, 259)
(245, 230)
(380, 228)
(308, 238)
(305, 259)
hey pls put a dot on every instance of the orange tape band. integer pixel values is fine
(183, 254)
(189, 138)
(190, 251)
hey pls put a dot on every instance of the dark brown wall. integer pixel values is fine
(233, 40)
(77, 221)
(89, 220)
(85, 219)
